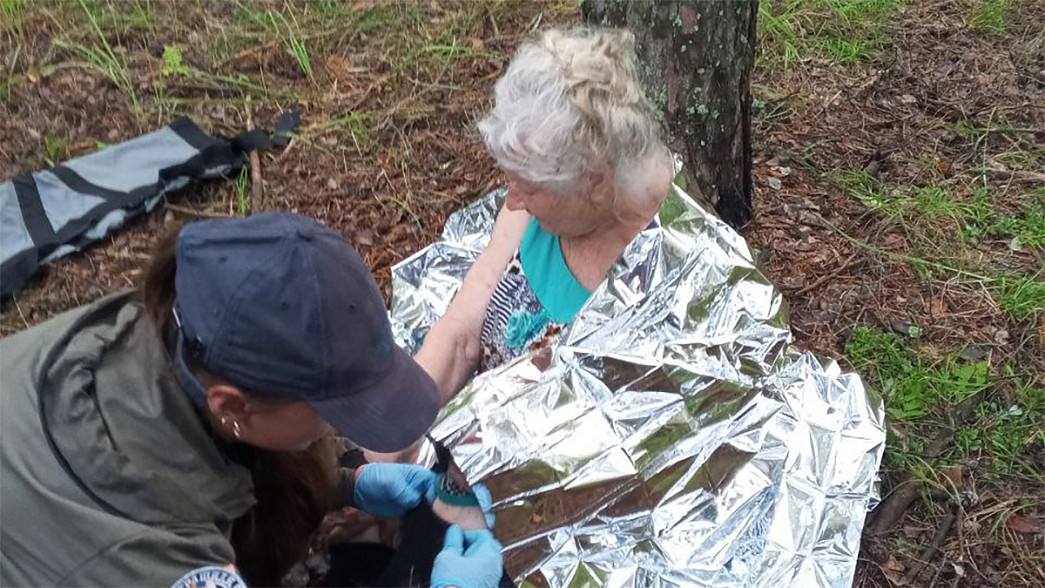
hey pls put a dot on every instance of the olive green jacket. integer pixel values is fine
(108, 475)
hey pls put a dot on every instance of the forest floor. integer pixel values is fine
(900, 196)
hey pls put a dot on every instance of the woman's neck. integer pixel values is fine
(591, 255)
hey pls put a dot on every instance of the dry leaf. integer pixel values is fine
(893, 570)
(365, 237)
(893, 565)
(896, 242)
(1020, 524)
(937, 307)
(954, 475)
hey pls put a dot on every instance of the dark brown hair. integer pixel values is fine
(294, 491)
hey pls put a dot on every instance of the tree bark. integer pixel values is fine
(695, 59)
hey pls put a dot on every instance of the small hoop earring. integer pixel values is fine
(235, 429)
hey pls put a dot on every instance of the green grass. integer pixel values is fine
(870, 191)
(920, 395)
(7, 84)
(173, 62)
(977, 215)
(1023, 229)
(56, 149)
(274, 23)
(843, 31)
(292, 40)
(242, 182)
(122, 18)
(990, 16)
(355, 123)
(173, 66)
(1021, 298)
(1003, 430)
(944, 229)
(250, 18)
(102, 58)
(911, 387)
(375, 19)
(10, 10)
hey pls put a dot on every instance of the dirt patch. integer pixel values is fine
(386, 151)
(946, 112)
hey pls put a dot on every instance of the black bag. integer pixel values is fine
(50, 213)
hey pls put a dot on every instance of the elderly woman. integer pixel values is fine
(587, 171)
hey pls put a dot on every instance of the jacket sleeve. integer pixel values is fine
(161, 557)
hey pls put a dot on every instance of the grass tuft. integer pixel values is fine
(843, 31)
(1005, 429)
(1021, 298)
(104, 59)
(990, 17)
(11, 9)
(56, 149)
(911, 387)
(920, 393)
(870, 191)
(173, 63)
(242, 182)
(292, 40)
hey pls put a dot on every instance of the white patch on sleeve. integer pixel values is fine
(211, 577)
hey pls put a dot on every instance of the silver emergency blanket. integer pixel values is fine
(673, 437)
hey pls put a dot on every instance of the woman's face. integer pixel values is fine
(557, 214)
(283, 426)
(269, 424)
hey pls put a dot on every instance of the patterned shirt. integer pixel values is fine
(536, 297)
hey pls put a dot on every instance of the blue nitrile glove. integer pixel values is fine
(388, 490)
(486, 503)
(468, 560)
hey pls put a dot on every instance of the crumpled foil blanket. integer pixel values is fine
(673, 437)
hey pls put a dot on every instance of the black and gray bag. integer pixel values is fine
(50, 213)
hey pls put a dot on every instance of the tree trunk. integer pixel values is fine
(695, 59)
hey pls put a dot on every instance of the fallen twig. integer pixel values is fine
(930, 552)
(1018, 176)
(256, 190)
(893, 508)
(825, 279)
(185, 210)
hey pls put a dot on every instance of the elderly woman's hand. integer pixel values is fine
(388, 490)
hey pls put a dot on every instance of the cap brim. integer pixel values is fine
(391, 414)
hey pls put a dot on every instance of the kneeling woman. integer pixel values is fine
(180, 434)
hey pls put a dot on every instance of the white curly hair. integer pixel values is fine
(568, 103)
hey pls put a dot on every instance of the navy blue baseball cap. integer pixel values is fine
(283, 307)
